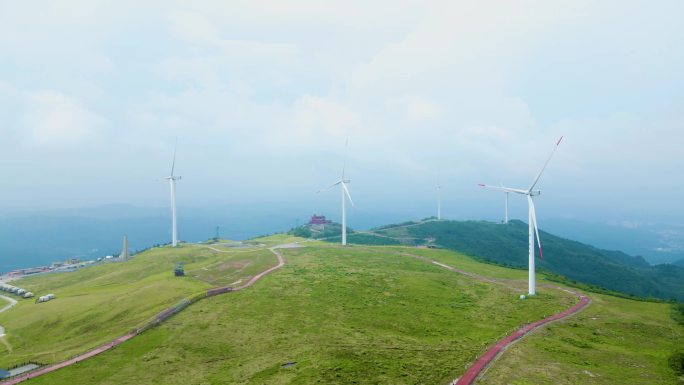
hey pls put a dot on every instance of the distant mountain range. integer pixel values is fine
(508, 245)
(656, 242)
(33, 239)
(37, 239)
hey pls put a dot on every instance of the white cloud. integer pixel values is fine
(58, 120)
(416, 108)
(314, 119)
(198, 30)
(479, 90)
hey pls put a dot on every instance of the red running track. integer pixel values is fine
(471, 374)
(84, 356)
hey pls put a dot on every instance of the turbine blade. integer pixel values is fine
(344, 164)
(545, 164)
(173, 163)
(502, 188)
(329, 187)
(536, 228)
(346, 190)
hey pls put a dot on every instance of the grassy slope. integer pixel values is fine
(614, 341)
(345, 318)
(358, 315)
(508, 245)
(99, 303)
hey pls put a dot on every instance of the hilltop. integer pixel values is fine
(507, 245)
(385, 314)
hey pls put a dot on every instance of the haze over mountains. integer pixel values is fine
(31, 239)
(507, 245)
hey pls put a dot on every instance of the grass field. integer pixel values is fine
(99, 303)
(353, 315)
(614, 341)
(360, 314)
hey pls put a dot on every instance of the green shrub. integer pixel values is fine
(678, 312)
(676, 362)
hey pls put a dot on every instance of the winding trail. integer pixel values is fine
(471, 375)
(468, 378)
(281, 263)
(126, 337)
(481, 364)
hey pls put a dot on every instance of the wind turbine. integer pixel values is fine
(172, 182)
(439, 202)
(532, 217)
(345, 194)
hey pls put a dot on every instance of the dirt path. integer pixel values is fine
(126, 337)
(281, 262)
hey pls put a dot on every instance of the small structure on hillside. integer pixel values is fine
(124, 251)
(45, 298)
(179, 271)
(319, 220)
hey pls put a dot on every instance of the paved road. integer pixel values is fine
(124, 338)
(12, 302)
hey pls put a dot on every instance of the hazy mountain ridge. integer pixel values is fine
(656, 242)
(508, 245)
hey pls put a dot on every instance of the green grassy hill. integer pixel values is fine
(613, 341)
(387, 315)
(96, 304)
(508, 245)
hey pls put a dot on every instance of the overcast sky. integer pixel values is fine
(263, 94)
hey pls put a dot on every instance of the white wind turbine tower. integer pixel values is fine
(172, 182)
(439, 202)
(506, 210)
(532, 218)
(345, 194)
